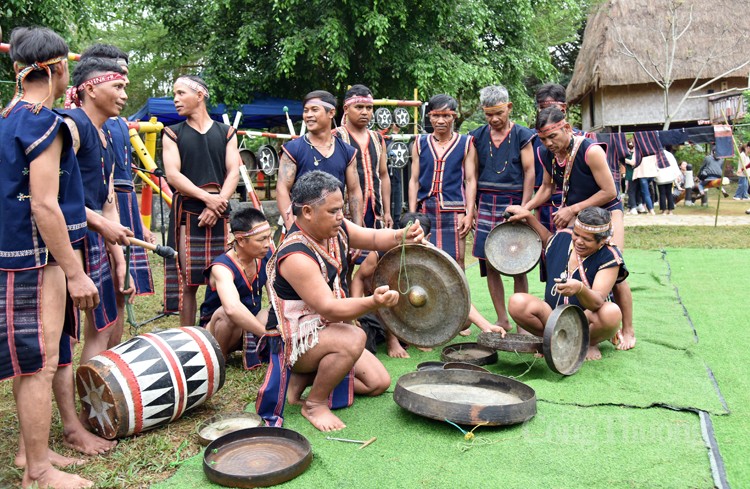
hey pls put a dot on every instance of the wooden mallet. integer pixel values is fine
(163, 251)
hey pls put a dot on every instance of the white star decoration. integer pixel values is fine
(98, 407)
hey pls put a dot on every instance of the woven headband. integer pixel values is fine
(593, 228)
(21, 76)
(551, 103)
(501, 105)
(316, 200)
(193, 85)
(358, 99)
(257, 229)
(71, 94)
(550, 128)
(317, 101)
(442, 112)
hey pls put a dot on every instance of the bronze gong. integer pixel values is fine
(434, 294)
(513, 248)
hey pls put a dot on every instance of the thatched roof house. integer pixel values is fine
(615, 92)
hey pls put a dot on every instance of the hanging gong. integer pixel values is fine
(248, 159)
(383, 118)
(401, 116)
(269, 159)
(434, 295)
(513, 248)
(398, 154)
(566, 339)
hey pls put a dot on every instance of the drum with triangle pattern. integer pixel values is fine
(149, 380)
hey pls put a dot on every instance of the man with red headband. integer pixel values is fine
(232, 310)
(578, 167)
(505, 177)
(202, 163)
(582, 268)
(318, 150)
(43, 214)
(372, 165)
(98, 92)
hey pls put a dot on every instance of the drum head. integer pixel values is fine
(566, 339)
(257, 457)
(435, 301)
(513, 248)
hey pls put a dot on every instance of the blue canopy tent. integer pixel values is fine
(263, 112)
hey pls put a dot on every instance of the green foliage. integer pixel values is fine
(692, 154)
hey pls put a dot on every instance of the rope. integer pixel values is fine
(402, 261)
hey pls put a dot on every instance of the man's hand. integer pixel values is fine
(388, 220)
(83, 291)
(415, 233)
(385, 297)
(207, 218)
(216, 203)
(563, 217)
(568, 288)
(115, 233)
(517, 213)
(465, 224)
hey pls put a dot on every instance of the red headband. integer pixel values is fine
(18, 95)
(358, 99)
(549, 128)
(71, 94)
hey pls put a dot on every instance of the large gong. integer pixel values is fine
(513, 248)
(434, 294)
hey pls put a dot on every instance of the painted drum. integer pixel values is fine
(149, 380)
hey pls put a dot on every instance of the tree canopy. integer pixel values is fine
(289, 47)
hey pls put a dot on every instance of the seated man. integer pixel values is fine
(362, 284)
(586, 247)
(711, 170)
(309, 294)
(231, 311)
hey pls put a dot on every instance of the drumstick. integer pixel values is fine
(163, 251)
(289, 121)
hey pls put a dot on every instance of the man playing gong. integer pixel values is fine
(578, 166)
(582, 268)
(505, 177)
(309, 295)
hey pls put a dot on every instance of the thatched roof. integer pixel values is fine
(718, 26)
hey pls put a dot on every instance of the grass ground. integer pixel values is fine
(656, 445)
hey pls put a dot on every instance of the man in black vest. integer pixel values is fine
(201, 161)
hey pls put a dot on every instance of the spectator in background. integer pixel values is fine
(743, 162)
(665, 178)
(644, 174)
(635, 201)
(711, 169)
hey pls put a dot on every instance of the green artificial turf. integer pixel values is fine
(604, 426)
(714, 285)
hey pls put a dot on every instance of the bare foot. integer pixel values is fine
(395, 350)
(87, 443)
(465, 332)
(424, 348)
(593, 353)
(627, 340)
(321, 417)
(53, 478)
(520, 330)
(494, 328)
(297, 385)
(55, 459)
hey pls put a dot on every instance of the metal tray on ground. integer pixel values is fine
(469, 353)
(257, 457)
(521, 343)
(464, 366)
(221, 424)
(466, 397)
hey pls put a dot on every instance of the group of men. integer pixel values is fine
(62, 237)
(73, 229)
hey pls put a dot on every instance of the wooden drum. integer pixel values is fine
(149, 380)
